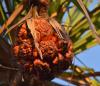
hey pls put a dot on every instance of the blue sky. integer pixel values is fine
(90, 57)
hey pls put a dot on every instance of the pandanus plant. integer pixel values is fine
(40, 48)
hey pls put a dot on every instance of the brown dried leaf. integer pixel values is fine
(31, 26)
(29, 15)
(59, 29)
(12, 17)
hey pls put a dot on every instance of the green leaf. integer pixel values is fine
(81, 35)
(11, 18)
(95, 83)
(76, 14)
(58, 8)
(81, 6)
(4, 17)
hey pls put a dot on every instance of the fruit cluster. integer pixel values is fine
(56, 52)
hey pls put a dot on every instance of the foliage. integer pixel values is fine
(77, 24)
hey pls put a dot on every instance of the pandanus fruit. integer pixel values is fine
(56, 52)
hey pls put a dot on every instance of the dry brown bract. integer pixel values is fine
(57, 52)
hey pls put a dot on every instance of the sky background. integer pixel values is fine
(90, 57)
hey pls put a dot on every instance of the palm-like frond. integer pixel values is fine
(77, 28)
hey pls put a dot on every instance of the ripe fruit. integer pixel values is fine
(57, 52)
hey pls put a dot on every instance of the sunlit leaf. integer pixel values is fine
(12, 17)
(4, 17)
(87, 40)
(31, 26)
(80, 5)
